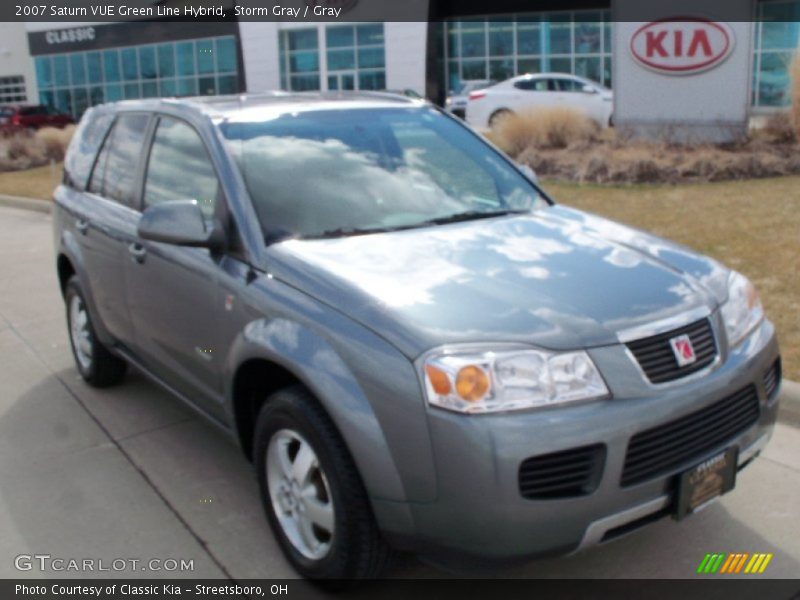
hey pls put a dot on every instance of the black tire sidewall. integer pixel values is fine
(73, 289)
(289, 410)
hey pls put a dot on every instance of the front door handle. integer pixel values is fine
(82, 225)
(138, 252)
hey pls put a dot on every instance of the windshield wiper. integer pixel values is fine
(347, 232)
(469, 215)
(472, 215)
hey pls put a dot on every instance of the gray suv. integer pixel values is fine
(414, 345)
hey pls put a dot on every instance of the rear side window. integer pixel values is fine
(114, 175)
(83, 148)
(534, 85)
(569, 85)
(180, 168)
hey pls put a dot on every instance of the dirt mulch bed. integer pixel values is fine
(600, 161)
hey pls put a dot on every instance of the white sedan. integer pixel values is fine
(537, 91)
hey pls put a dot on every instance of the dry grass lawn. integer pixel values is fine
(752, 226)
(31, 183)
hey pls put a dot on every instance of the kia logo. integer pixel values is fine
(682, 45)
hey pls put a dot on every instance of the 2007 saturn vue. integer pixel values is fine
(415, 346)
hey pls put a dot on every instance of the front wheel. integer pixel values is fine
(97, 366)
(498, 116)
(315, 501)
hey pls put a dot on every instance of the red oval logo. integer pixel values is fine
(682, 45)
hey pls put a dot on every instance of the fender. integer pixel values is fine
(320, 367)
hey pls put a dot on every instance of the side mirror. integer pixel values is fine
(589, 89)
(180, 223)
(528, 172)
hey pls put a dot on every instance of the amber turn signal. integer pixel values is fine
(472, 383)
(440, 382)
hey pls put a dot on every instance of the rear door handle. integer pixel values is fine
(138, 252)
(82, 225)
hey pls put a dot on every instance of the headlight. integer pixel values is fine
(743, 311)
(510, 380)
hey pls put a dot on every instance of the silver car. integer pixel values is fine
(414, 345)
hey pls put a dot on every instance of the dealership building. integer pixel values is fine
(72, 66)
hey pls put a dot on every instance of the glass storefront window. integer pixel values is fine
(111, 65)
(370, 35)
(166, 60)
(44, 72)
(299, 58)
(61, 70)
(205, 56)
(147, 62)
(184, 51)
(225, 51)
(130, 64)
(355, 57)
(72, 82)
(370, 58)
(341, 36)
(341, 59)
(777, 33)
(501, 38)
(576, 42)
(77, 69)
(94, 67)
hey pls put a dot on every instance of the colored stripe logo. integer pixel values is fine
(734, 563)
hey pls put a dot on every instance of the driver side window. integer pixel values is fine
(179, 168)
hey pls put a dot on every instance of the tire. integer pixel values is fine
(498, 116)
(98, 367)
(350, 546)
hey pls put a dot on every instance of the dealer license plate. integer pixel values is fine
(706, 482)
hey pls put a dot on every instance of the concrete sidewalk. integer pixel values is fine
(130, 473)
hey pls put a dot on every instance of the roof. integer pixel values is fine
(228, 106)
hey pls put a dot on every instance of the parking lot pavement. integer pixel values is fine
(131, 473)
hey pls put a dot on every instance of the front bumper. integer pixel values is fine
(479, 510)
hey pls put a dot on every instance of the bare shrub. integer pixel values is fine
(556, 127)
(56, 140)
(779, 128)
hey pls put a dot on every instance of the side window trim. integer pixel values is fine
(150, 142)
(222, 208)
(144, 161)
(137, 181)
(100, 149)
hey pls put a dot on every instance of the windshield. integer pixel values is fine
(318, 173)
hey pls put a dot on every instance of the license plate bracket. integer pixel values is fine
(706, 482)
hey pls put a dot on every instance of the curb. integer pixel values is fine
(789, 409)
(34, 204)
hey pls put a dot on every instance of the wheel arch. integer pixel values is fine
(271, 354)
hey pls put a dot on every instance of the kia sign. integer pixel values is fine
(682, 45)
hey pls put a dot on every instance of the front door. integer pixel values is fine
(173, 291)
(106, 222)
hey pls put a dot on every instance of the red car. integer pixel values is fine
(32, 117)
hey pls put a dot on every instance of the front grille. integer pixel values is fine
(654, 354)
(566, 474)
(663, 448)
(772, 379)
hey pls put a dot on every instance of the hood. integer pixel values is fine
(557, 278)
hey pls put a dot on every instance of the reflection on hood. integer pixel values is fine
(557, 278)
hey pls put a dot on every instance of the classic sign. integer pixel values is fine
(682, 45)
